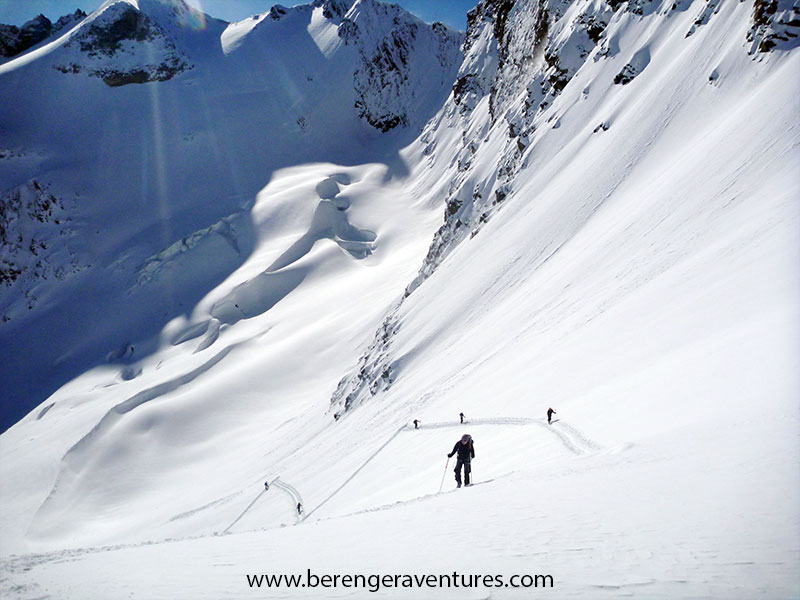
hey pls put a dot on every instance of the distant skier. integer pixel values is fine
(416, 423)
(466, 452)
(550, 413)
(299, 508)
(266, 485)
(461, 416)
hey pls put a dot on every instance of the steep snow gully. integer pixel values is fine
(291, 250)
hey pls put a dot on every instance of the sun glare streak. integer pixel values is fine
(159, 154)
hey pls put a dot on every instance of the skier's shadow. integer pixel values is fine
(553, 421)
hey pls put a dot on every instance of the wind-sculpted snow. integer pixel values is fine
(221, 238)
(77, 463)
(329, 222)
(257, 296)
(163, 216)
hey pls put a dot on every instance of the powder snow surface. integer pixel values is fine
(640, 278)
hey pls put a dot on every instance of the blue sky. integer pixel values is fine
(16, 12)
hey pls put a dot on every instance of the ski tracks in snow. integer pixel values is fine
(573, 439)
(297, 499)
(357, 471)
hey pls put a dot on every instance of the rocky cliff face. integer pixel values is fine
(35, 244)
(392, 74)
(519, 56)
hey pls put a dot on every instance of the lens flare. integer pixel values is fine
(193, 18)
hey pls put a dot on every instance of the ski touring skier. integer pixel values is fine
(550, 413)
(299, 508)
(416, 423)
(461, 416)
(466, 452)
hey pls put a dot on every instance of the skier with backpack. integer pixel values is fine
(466, 452)
(550, 413)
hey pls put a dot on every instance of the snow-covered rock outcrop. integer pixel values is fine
(520, 58)
(400, 68)
(401, 61)
(35, 232)
(121, 45)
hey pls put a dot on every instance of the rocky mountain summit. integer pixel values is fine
(16, 40)
(124, 45)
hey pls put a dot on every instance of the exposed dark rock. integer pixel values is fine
(626, 75)
(595, 29)
(502, 8)
(466, 84)
(348, 31)
(118, 78)
(30, 215)
(130, 25)
(776, 26)
(334, 9)
(374, 372)
(123, 30)
(381, 76)
(277, 11)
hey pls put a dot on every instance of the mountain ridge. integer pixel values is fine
(386, 76)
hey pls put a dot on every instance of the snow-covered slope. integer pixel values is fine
(602, 217)
(123, 193)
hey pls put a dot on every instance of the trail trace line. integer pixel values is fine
(249, 506)
(573, 439)
(356, 472)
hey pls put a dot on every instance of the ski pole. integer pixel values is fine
(443, 474)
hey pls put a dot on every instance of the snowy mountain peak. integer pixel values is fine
(15, 40)
(174, 16)
(388, 54)
(332, 9)
(122, 44)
